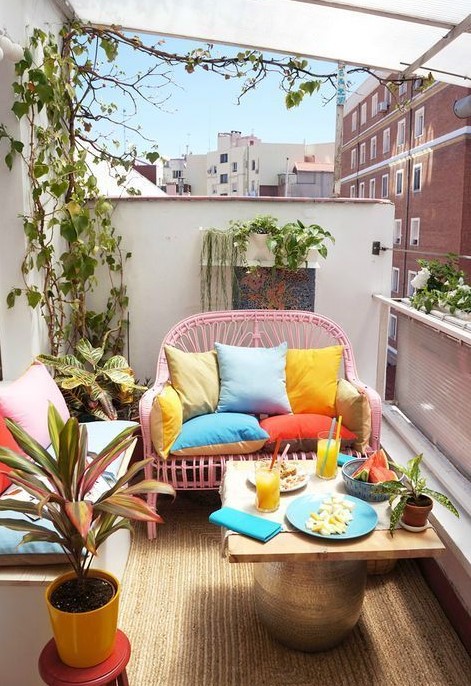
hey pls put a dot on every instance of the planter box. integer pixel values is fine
(267, 288)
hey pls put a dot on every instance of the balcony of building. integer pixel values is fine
(189, 614)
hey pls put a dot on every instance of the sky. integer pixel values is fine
(197, 106)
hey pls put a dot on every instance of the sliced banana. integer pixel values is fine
(333, 516)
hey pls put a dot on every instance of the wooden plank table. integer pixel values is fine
(309, 591)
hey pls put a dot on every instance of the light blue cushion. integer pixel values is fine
(253, 380)
(35, 552)
(220, 434)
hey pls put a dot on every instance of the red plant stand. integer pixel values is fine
(111, 672)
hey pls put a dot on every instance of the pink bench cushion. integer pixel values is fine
(27, 399)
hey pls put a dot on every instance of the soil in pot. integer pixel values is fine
(416, 511)
(82, 595)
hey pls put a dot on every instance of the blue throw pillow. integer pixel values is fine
(220, 434)
(253, 380)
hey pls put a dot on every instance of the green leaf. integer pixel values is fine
(55, 425)
(20, 109)
(80, 514)
(129, 506)
(88, 352)
(59, 188)
(12, 295)
(33, 297)
(9, 160)
(40, 169)
(152, 157)
(43, 463)
(442, 499)
(110, 48)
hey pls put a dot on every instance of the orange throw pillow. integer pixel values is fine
(300, 431)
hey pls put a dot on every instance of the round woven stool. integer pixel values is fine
(111, 672)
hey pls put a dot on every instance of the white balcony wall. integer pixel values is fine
(163, 275)
(21, 332)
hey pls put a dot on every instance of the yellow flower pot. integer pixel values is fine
(85, 639)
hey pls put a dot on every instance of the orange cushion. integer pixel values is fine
(300, 431)
(6, 441)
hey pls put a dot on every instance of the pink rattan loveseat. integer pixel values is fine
(253, 328)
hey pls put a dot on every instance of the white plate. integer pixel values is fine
(303, 479)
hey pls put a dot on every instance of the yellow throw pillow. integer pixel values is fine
(165, 420)
(195, 377)
(355, 409)
(311, 379)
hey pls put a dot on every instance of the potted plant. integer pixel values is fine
(91, 387)
(250, 243)
(415, 500)
(79, 511)
(433, 283)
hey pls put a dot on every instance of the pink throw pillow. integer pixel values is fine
(27, 399)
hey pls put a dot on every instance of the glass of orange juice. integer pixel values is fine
(267, 485)
(327, 456)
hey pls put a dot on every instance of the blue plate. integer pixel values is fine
(364, 519)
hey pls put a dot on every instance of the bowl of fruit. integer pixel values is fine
(361, 475)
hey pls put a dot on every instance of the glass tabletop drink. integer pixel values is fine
(327, 456)
(267, 485)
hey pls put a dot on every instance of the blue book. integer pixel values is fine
(244, 523)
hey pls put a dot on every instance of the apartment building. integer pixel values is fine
(417, 153)
(410, 147)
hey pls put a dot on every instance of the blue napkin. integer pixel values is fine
(342, 458)
(244, 523)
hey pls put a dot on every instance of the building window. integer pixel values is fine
(387, 95)
(253, 165)
(353, 158)
(414, 230)
(234, 166)
(361, 190)
(373, 148)
(223, 178)
(410, 287)
(354, 120)
(419, 121)
(352, 191)
(372, 188)
(362, 153)
(177, 174)
(223, 157)
(416, 177)
(399, 181)
(385, 186)
(386, 140)
(392, 329)
(401, 132)
(402, 88)
(363, 114)
(374, 105)
(395, 280)
(397, 231)
(234, 188)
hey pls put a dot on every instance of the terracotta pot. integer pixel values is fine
(85, 639)
(416, 514)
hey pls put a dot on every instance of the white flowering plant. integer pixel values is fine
(436, 282)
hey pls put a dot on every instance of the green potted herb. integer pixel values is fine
(79, 511)
(410, 499)
(91, 386)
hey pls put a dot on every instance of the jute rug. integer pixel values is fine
(190, 617)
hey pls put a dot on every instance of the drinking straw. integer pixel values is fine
(339, 424)
(275, 452)
(283, 454)
(329, 439)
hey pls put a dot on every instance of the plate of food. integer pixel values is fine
(292, 477)
(335, 516)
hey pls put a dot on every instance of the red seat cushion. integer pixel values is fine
(6, 441)
(300, 431)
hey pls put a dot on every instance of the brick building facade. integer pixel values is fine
(417, 153)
